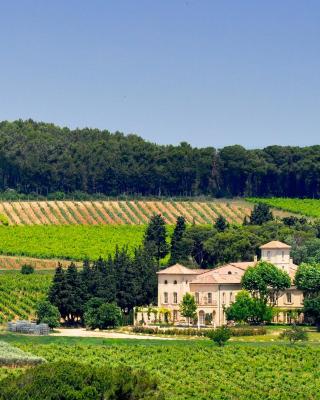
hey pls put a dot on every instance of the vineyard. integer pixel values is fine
(119, 212)
(20, 293)
(307, 207)
(12, 263)
(236, 372)
(72, 242)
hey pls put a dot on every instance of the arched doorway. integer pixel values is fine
(201, 317)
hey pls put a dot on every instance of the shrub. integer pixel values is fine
(27, 269)
(102, 315)
(220, 335)
(294, 334)
(47, 313)
(69, 380)
(4, 220)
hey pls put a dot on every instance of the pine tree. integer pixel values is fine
(178, 249)
(155, 239)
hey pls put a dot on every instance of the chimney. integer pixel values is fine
(255, 259)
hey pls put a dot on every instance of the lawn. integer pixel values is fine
(195, 369)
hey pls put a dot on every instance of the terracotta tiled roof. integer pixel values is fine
(181, 269)
(229, 273)
(275, 245)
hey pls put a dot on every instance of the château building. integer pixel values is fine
(216, 289)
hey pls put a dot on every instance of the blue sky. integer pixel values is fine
(212, 73)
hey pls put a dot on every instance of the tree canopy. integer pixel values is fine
(42, 158)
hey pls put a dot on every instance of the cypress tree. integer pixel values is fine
(221, 224)
(155, 239)
(178, 250)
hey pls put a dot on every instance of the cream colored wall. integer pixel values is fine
(181, 287)
(278, 257)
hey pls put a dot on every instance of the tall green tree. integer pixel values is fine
(265, 281)
(188, 307)
(260, 214)
(155, 238)
(221, 224)
(178, 250)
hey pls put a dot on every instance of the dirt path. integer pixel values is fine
(81, 332)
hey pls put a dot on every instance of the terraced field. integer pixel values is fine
(119, 212)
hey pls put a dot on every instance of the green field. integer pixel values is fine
(195, 369)
(19, 293)
(307, 207)
(69, 242)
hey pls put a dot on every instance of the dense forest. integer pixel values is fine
(43, 158)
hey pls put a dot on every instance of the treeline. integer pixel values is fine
(41, 159)
(124, 280)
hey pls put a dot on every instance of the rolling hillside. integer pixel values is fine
(119, 212)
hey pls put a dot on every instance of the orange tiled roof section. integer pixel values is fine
(275, 244)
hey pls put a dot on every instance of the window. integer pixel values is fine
(289, 297)
(282, 255)
(229, 273)
(175, 297)
(209, 298)
(165, 282)
(223, 298)
(166, 297)
(268, 255)
(175, 315)
(231, 297)
(175, 282)
(197, 297)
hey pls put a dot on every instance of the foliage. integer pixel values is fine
(220, 335)
(4, 220)
(155, 237)
(48, 314)
(178, 250)
(248, 309)
(307, 279)
(68, 380)
(221, 224)
(235, 331)
(265, 280)
(294, 334)
(104, 316)
(27, 269)
(188, 306)
(124, 279)
(13, 357)
(261, 214)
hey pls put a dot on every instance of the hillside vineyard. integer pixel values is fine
(42, 158)
(119, 212)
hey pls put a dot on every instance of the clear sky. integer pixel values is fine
(211, 73)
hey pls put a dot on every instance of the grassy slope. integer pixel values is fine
(196, 369)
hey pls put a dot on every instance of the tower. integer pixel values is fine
(277, 253)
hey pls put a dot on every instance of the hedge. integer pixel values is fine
(241, 331)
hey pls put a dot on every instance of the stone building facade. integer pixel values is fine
(216, 289)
